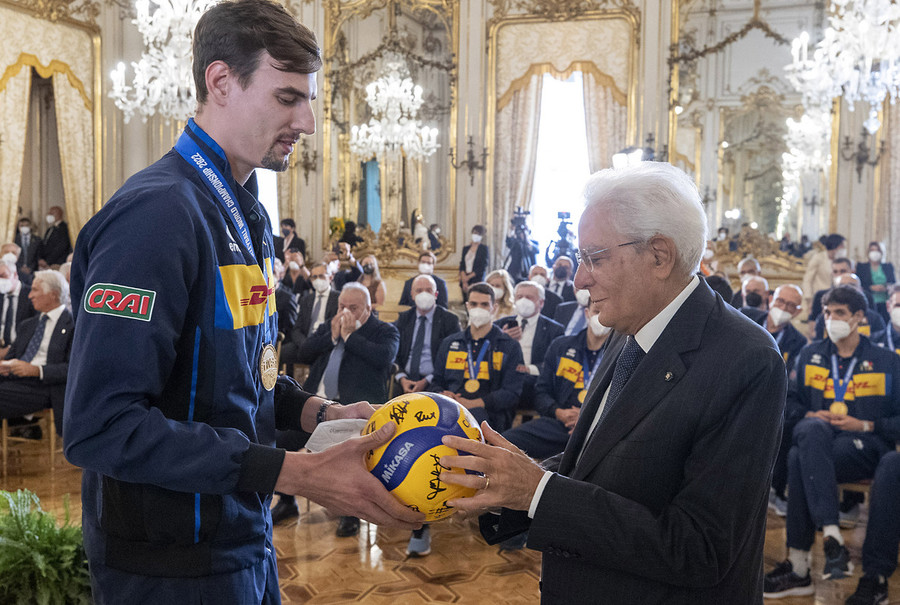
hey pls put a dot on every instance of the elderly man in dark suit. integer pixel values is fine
(426, 267)
(15, 305)
(314, 308)
(661, 493)
(57, 244)
(33, 374)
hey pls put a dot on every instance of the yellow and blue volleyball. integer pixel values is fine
(409, 464)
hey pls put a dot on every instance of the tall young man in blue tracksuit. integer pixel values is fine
(173, 394)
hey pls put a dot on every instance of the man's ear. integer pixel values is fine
(663, 250)
(219, 80)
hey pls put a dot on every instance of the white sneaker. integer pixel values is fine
(420, 542)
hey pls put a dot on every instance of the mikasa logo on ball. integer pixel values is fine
(398, 459)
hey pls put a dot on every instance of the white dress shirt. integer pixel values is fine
(11, 307)
(527, 341)
(40, 358)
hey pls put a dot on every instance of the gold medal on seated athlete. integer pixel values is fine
(268, 367)
(582, 395)
(839, 407)
(472, 385)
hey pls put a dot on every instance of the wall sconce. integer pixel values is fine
(709, 197)
(470, 163)
(862, 154)
(308, 161)
(631, 155)
(812, 202)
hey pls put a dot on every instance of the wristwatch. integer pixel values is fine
(320, 415)
(867, 426)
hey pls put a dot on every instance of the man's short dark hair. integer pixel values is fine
(843, 261)
(483, 287)
(846, 295)
(479, 229)
(290, 223)
(427, 254)
(237, 32)
(24, 219)
(833, 241)
(720, 285)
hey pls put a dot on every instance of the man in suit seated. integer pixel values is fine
(33, 373)
(839, 266)
(15, 307)
(533, 332)
(755, 294)
(426, 267)
(561, 282)
(747, 268)
(889, 338)
(57, 244)
(285, 303)
(350, 359)
(422, 330)
(538, 274)
(871, 324)
(314, 309)
(660, 495)
(571, 314)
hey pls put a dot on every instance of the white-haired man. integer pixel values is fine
(33, 373)
(660, 495)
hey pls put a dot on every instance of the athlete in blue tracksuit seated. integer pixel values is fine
(173, 394)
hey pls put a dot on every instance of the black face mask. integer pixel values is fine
(285, 231)
(752, 299)
(560, 273)
(368, 269)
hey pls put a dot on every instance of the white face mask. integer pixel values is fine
(476, 238)
(51, 219)
(321, 285)
(426, 268)
(525, 307)
(333, 266)
(540, 279)
(583, 297)
(424, 301)
(598, 328)
(875, 256)
(293, 266)
(708, 254)
(498, 293)
(722, 236)
(6, 286)
(838, 329)
(9, 257)
(778, 316)
(895, 317)
(24, 230)
(479, 317)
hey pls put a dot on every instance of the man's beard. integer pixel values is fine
(273, 161)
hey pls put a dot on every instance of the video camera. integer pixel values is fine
(518, 219)
(564, 222)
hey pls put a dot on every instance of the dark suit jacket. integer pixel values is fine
(565, 311)
(286, 305)
(568, 290)
(479, 266)
(444, 324)
(23, 310)
(551, 301)
(546, 331)
(278, 245)
(57, 366)
(366, 365)
(667, 504)
(57, 244)
(304, 315)
(29, 258)
(442, 297)
(864, 272)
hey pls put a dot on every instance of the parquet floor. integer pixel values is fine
(318, 568)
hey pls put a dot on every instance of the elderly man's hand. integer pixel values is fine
(23, 369)
(510, 477)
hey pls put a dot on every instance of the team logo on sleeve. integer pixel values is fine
(120, 301)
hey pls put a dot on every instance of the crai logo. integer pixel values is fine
(120, 301)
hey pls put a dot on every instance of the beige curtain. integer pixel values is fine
(74, 126)
(14, 95)
(606, 120)
(516, 151)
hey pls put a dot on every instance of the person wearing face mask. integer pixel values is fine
(315, 307)
(818, 271)
(477, 367)
(872, 322)
(31, 246)
(296, 275)
(288, 239)
(16, 305)
(844, 397)
(747, 268)
(533, 332)
(344, 266)
(839, 266)
(552, 300)
(570, 315)
(371, 279)
(434, 236)
(286, 305)
(426, 267)
(350, 359)
(561, 280)
(474, 261)
(755, 293)
(889, 338)
(57, 244)
(876, 277)
(504, 300)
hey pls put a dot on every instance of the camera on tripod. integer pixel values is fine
(518, 219)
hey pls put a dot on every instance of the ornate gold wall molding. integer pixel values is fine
(583, 66)
(554, 10)
(84, 11)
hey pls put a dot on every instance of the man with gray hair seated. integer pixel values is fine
(33, 373)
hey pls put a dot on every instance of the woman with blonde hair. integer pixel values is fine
(504, 300)
(371, 279)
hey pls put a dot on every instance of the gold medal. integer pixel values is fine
(839, 407)
(582, 395)
(472, 385)
(268, 367)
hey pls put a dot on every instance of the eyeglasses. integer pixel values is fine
(589, 259)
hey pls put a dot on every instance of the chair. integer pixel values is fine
(44, 419)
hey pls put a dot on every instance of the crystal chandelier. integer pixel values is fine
(394, 101)
(163, 83)
(857, 58)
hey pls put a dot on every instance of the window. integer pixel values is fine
(268, 196)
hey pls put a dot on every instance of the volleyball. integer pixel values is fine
(409, 464)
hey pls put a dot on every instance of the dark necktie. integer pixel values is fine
(628, 360)
(418, 346)
(317, 306)
(25, 240)
(35, 343)
(8, 320)
(524, 323)
(332, 371)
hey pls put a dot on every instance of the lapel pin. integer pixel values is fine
(669, 376)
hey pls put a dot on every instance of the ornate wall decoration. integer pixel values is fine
(555, 10)
(54, 10)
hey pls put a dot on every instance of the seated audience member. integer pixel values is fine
(538, 275)
(371, 279)
(434, 236)
(721, 286)
(350, 236)
(31, 245)
(477, 367)
(747, 268)
(347, 269)
(10, 252)
(889, 338)
(285, 304)
(533, 332)
(350, 359)
(288, 239)
(57, 244)
(314, 309)
(569, 365)
(422, 330)
(819, 272)
(33, 373)
(755, 293)
(296, 275)
(426, 267)
(561, 282)
(474, 261)
(844, 398)
(879, 551)
(871, 324)
(839, 267)
(504, 295)
(571, 314)
(16, 305)
(876, 277)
